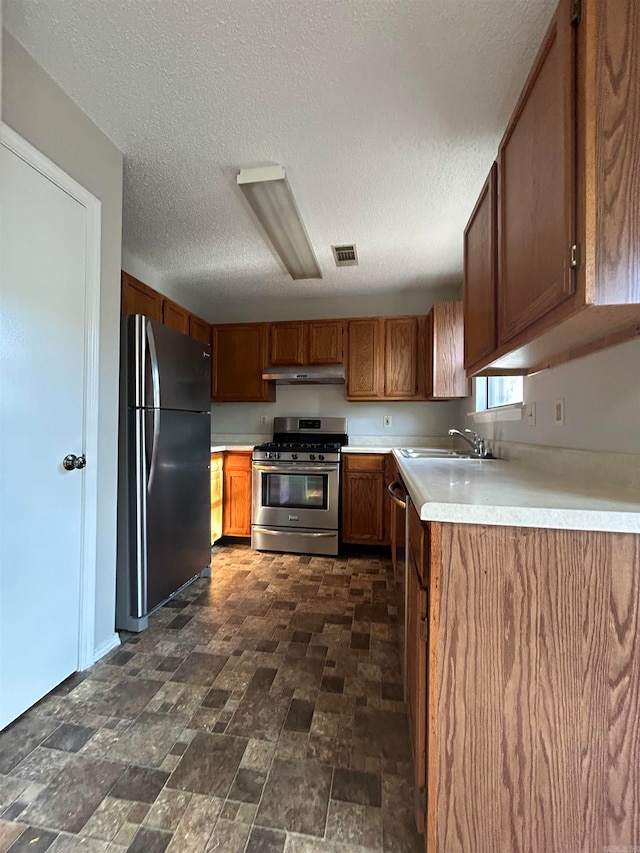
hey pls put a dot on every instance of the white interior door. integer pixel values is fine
(43, 267)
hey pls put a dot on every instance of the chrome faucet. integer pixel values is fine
(476, 443)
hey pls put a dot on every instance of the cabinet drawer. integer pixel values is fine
(364, 462)
(238, 460)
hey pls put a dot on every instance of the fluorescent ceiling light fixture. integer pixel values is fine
(270, 197)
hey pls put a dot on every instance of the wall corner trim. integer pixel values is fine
(105, 647)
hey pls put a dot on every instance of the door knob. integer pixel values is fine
(72, 461)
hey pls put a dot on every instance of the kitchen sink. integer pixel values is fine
(437, 453)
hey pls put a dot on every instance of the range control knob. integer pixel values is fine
(294, 455)
(312, 457)
(321, 457)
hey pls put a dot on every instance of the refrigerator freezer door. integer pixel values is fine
(177, 503)
(164, 534)
(166, 369)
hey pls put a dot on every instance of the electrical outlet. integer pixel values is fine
(264, 420)
(531, 414)
(387, 421)
(559, 412)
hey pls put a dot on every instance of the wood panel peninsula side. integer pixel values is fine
(533, 697)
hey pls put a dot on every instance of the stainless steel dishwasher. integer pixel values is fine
(399, 539)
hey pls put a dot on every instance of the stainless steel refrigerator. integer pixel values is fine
(164, 503)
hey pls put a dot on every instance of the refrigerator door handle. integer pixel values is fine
(155, 371)
(139, 585)
(154, 448)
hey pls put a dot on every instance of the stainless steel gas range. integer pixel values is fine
(296, 487)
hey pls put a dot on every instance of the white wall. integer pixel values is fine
(416, 301)
(602, 404)
(36, 107)
(409, 419)
(143, 272)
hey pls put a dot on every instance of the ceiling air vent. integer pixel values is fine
(345, 256)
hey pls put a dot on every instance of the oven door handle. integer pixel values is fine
(295, 533)
(394, 497)
(297, 469)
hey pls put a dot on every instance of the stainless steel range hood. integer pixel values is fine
(331, 374)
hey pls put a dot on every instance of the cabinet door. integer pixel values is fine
(175, 316)
(239, 354)
(217, 479)
(480, 275)
(137, 298)
(237, 494)
(288, 343)
(363, 503)
(199, 329)
(324, 341)
(536, 165)
(365, 364)
(401, 357)
(417, 627)
(446, 329)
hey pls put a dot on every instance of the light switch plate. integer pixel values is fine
(531, 414)
(559, 412)
(387, 421)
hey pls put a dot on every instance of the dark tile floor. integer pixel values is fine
(260, 712)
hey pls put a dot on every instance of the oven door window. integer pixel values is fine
(295, 491)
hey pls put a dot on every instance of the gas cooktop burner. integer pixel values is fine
(292, 445)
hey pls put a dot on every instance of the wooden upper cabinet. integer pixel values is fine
(175, 316)
(401, 357)
(446, 376)
(324, 341)
(480, 275)
(568, 280)
(138, 298)
(305, 342)
(199, 329)
(365, 359)
(536, 164)
(239, 353)
(288, 343)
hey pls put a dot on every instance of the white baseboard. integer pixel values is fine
(105, 647)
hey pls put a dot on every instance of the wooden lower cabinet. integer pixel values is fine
(217, 488)
(236, 520)
(365, 505)
(530, 712)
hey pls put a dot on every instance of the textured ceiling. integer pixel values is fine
(386, 115)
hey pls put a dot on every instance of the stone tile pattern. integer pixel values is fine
(260, 712)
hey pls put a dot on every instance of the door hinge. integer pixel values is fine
(575, 256)
(575, 12)
(424, 630)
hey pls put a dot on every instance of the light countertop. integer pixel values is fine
(497, 492)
